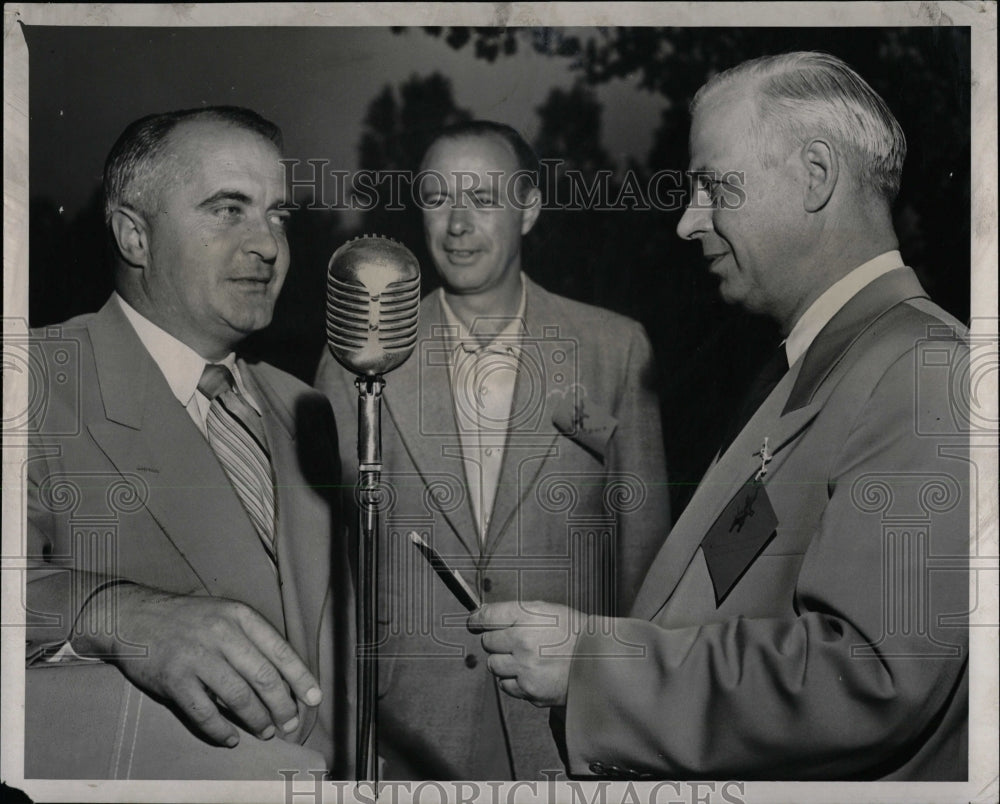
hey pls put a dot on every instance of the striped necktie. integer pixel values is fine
(236, 434)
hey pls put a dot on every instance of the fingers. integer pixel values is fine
(511, 687)
(502, 665)
(204, 715)
(500, 641)
(266, 662)
(486, 618)
(494, 616)
(254, 693)
(282, 657)
(217, 659)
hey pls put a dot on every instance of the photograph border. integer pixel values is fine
(980, 17)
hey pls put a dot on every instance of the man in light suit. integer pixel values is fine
(182, 622)
(807, 616)
(522, 439)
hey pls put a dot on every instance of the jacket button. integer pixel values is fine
(597, 768)
(487, 585)
(471, 661)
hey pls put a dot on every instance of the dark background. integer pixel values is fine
(611, 98)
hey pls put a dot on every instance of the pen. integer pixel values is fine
(455, 582)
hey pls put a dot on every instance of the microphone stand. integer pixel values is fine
(369, 475)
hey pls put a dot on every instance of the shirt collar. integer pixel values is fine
(820, 312)
(508, 340)
(180, 364)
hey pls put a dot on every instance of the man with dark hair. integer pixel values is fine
(181, 524)
(522, 440)
(807, 616)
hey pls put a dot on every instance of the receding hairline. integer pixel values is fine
(805, 94)
(462, 136)
(172, 137)
(140, 155)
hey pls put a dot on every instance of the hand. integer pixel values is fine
(530, 646)
(203, 653)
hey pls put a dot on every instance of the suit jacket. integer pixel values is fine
(581, 507)
(121, 483)
(834, 646)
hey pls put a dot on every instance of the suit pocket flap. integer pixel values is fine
(588, 424)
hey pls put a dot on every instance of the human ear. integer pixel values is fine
(823, 169)
(531, 208)
(131, 234)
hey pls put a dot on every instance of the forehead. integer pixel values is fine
(213, 151)
(474, 153)
(721, 131)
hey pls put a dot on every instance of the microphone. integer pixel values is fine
(372, 309)
(372, 304)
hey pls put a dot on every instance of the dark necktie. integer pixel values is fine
(766, 381)
(236, 434)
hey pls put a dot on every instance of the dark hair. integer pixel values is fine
(132, 167)
(527, 160)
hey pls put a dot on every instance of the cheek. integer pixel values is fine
(435, 222)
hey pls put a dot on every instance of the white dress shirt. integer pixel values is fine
(181, 366)
(833, 299)
(483, 377)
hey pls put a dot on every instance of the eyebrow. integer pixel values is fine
(226, 195)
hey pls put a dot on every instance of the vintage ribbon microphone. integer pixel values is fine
(372, 307)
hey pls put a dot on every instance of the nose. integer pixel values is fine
(262, 240)
(459, 221)
(695, 222)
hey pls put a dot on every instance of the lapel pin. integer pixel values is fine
(765, 459)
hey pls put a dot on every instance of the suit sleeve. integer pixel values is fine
(56, 591)
(849, 686)
(637, 452)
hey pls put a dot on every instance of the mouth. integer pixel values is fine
(252, 284)
(714, 259)
(461, 255)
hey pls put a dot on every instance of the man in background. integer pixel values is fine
(181, 525)
(807, 616)
(522, 440)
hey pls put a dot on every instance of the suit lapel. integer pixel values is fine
(859, 314)
(147, 432)
(789, 409)
(721, 482)
(418, 399)
(532, 437)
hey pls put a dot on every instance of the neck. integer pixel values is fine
(209, 348)
(486, 313)
(839, 250)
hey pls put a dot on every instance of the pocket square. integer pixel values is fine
(587, 424)
(737, 537)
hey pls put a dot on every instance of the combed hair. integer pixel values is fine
(132, 171)
(527, 160)
(804, 92)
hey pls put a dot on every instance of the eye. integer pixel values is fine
(228, 212)
(711, 186)
(432, 200)
(706, 191)
(485, 201)
(279, 218)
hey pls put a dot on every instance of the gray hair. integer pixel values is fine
(133, 171)
(798, 93)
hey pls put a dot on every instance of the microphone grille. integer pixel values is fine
(373, 300)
